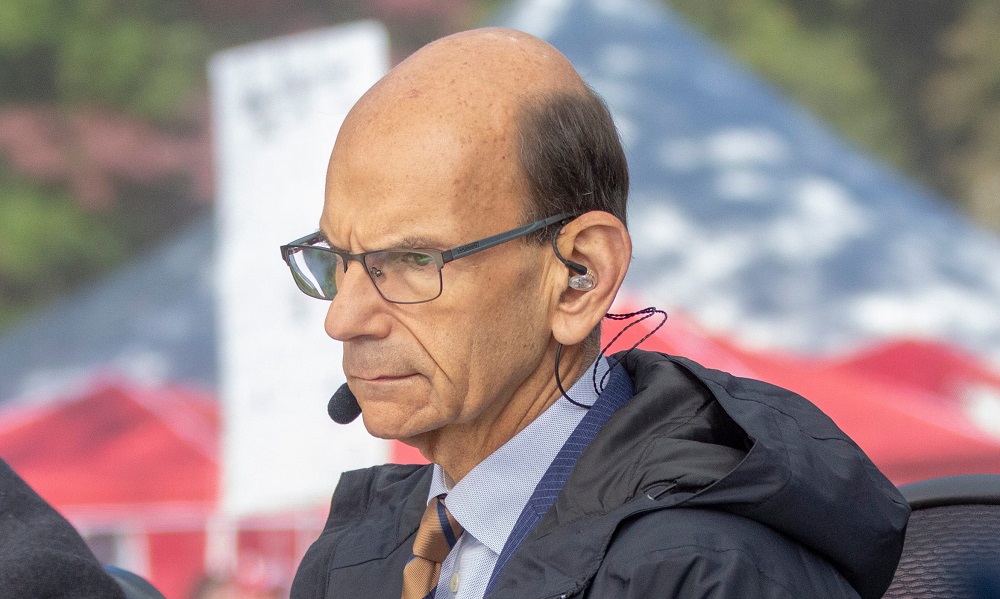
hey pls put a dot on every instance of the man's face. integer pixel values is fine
(451, 363)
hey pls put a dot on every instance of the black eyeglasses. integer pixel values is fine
(401, 276)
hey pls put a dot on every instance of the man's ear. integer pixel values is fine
(599, 242)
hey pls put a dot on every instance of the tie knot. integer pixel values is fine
(438, 531)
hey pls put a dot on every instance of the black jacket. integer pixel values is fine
(703, 485)
(41, 554)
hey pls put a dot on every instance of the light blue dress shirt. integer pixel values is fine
(489, 500)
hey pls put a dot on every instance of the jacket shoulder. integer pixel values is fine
(360, 491)
(41, 554)
(372, 513)
(802, 476)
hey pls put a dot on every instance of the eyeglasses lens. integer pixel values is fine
(404, 276)
(401, 276)
(316, 271)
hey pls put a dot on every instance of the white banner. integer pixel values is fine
(277, 108)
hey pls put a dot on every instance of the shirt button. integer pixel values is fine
(453, 585)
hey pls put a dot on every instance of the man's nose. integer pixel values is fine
(357, 309)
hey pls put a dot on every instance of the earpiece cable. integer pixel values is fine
(645, 313)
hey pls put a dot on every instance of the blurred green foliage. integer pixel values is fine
(134, 65)
(48, 245)
(141, 57)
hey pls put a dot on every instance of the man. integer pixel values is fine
(472, 239)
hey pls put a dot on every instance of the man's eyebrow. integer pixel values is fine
(418, 242)
(322, 238)
(410, 242)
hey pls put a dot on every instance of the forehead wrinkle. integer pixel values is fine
(404, 241)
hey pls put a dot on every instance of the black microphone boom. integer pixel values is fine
(343, 407)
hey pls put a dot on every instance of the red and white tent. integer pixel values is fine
(136, 470)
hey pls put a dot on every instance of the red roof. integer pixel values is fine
(115, 445)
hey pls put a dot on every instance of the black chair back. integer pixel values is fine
(952, 546)
(133, 585)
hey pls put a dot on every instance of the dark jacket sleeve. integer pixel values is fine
(41, 554)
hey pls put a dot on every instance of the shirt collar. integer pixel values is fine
(489, 500)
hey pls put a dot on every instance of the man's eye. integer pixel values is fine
(413, 259)
(419, 259)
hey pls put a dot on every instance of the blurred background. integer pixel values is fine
(816, 203)
(104, 126)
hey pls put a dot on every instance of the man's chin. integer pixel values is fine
(394, 427)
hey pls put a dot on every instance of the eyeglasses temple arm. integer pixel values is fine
(478, 246)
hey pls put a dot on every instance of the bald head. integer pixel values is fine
(500, 116)
(478, 78)
(452, 112)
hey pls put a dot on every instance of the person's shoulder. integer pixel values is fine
(693, 553)
(41, 554)
(378, 487)
(372, 512)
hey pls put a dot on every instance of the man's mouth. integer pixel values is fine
(381, 378)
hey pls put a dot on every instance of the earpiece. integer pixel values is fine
(584, 282)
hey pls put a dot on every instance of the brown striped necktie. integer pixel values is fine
(437, 534)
